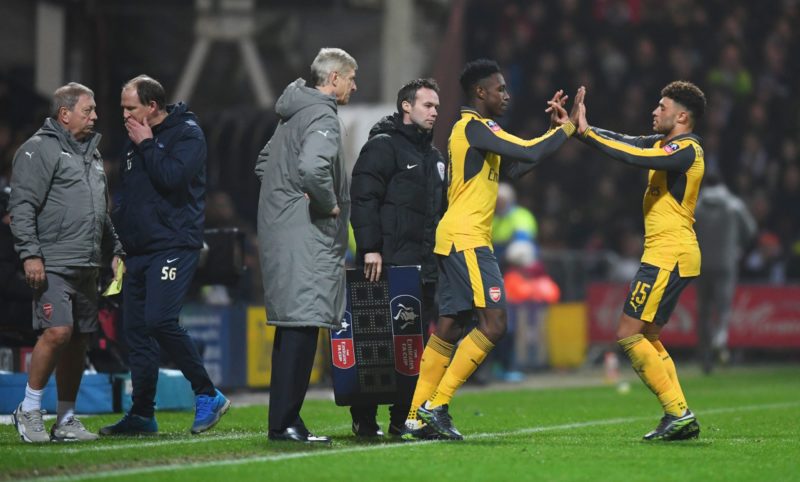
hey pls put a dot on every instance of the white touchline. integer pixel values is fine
(366, 448)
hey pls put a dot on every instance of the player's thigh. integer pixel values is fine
(470, 279)
(85, 300)
(488, 282)
(654, 293)
(52, 303)
(168, 277)
(453, 290)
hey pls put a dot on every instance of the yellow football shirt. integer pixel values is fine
(676, 170)
(476, 147)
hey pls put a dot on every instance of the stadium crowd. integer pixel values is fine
(738, 52)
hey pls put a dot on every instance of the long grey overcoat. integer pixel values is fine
(302, 247)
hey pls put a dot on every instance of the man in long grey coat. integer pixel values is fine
(724, 229)
(303, 212)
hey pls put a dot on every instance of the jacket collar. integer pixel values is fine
(52, 128)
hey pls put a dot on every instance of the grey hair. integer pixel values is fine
(67, 96)
(330, 60)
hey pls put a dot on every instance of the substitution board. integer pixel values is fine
(378, 348)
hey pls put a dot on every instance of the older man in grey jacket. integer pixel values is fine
(303, 212)
(61, 226)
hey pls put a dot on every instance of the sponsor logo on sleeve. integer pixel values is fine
(671, 147)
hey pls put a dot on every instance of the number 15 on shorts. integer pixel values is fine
(639, 294)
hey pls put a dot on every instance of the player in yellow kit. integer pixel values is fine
(671, 259)
(469, 278)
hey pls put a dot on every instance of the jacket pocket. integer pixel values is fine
(50, 229)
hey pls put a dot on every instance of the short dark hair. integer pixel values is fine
(149, 90)
(408, 92)
(688, 95)
(476, 71)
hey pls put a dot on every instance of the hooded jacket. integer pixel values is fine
(303, 177)
(724, 228)
(398, 195)
(59, 200)
(162, 201)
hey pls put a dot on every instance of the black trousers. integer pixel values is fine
(292, 359)
(154, 288)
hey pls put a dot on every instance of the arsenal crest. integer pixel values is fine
(495, 293)
(47, 308)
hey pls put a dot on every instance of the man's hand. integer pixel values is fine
(578, 113)
(558, 115)
(334, 212)
(137, 131)
(116, 265)
(34, 272)
(372, 266)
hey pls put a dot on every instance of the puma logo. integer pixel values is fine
(29, 154)
(324, 134)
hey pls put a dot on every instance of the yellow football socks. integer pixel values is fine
(435, 360)
(648, 365)
(669, 365)
(470, 354)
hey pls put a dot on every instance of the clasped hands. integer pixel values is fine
(559, 115)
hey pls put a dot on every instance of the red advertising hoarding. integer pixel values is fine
(763, 316)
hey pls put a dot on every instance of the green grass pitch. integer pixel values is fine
(750, 419)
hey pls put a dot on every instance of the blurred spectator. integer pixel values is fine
(724, 229)
(511, 223)
(765, 263)
(221, 214)
(730, 74)
(15, 294)
(528, 289)
(625, 267)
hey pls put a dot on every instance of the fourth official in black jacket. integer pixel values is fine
(397, 195)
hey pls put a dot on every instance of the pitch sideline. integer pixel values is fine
(346, 450)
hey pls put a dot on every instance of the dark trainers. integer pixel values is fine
(366, 428)
(419, 431)
(439, 419)
(208, 411)
(30, 425)
(670, 426)
(132, 424)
